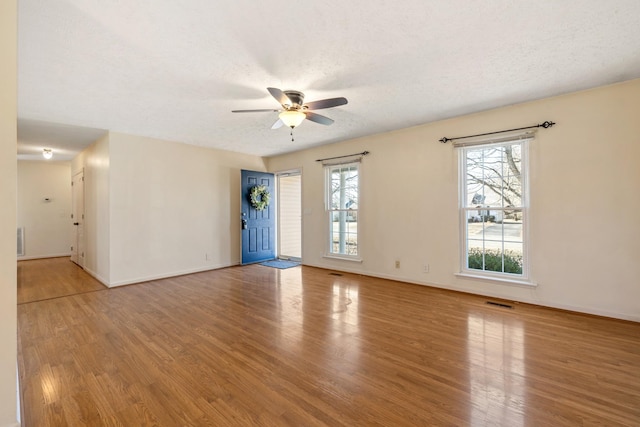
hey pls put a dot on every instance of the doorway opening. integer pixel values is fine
(290, 215)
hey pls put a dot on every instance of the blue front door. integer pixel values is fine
(258, 227)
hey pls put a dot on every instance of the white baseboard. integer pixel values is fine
(577, 309)
(97, 276)
(27, 258)
(167, 275)
(533, 301)
(595, 312)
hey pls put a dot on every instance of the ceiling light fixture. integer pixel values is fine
(292, 118)
(47, 153)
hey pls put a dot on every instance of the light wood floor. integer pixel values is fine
(254, 345)
(41, 279)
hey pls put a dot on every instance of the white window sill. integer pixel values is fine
(501, 280)
(342, 257)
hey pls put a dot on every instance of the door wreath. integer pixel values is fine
(260, 197)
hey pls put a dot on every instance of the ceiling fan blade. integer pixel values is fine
(318, 118)
(256, 111)
(325, 103)
(277, 124)
(279, 95)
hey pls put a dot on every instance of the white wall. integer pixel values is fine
(585, 182)
(8, 184)
(169, 208)
(175, 208)
(47, 225)
(94, 162)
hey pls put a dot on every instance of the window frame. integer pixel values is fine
(329, 212)
(513, 278)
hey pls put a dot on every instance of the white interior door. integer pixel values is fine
(290, 215)
(77, 216)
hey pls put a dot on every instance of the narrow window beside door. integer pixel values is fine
(289, 216)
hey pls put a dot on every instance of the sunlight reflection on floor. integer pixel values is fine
(496, 348)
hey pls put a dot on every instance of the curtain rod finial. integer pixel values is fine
(444, 140)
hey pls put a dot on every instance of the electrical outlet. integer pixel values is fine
(425, 268)
(397, 263)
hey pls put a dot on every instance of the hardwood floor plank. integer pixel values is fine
(41, 279)
(259, 346)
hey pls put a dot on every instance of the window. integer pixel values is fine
(494, 209)
(342, 209)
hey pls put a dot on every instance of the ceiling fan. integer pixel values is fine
(294, 110)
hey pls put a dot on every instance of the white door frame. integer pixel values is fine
(77, 218)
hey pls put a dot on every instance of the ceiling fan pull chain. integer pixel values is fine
(291, 135)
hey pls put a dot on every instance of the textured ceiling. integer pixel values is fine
(175, 70)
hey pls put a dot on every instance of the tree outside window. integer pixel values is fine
(342, 207)
(493, 208)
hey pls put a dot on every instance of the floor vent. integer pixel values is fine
(499, 304)
(20, 241)
(335, 274)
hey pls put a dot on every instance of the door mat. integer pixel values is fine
(280, 263)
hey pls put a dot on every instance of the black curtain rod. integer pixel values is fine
(545, 125)
(364, 153)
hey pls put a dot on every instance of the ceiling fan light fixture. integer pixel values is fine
(292, 118)
(47, 153)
